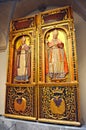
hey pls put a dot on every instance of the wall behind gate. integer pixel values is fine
(80, 30)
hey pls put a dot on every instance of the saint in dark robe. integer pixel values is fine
(22, 62)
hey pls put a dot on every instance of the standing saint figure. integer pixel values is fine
(56, 61)
(22, 62)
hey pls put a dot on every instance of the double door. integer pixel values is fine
(42, 78)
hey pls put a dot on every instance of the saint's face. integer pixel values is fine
(55, 34)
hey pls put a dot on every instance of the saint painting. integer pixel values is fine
(22, 65)
(56, 60)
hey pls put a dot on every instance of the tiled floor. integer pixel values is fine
(13, 124)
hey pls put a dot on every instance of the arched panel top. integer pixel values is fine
(61, 31)
(18, 39)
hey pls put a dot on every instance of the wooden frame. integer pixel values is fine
(22, 86)
(52, 81)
